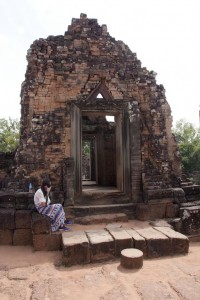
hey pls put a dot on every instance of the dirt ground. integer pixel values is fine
(26, 274)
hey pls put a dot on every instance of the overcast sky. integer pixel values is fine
(165, 34)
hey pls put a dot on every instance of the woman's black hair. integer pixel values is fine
(45, 182)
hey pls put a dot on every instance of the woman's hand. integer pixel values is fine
(48, 190)
(42, 204)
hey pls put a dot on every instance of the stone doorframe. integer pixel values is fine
(128, 148)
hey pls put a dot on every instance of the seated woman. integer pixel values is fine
(54, 211)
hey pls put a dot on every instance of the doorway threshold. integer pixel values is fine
(98, 195)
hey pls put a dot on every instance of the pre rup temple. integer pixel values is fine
(96, 123)
(73, 82)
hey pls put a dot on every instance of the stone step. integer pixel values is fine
(192, 193)
(157, 243)
(99, 197)
(75, 248)
(122, 239)
(153, 178)
(88, 210)
(194, 238)
(154, 181)
(188, 183)
(103, 218)
(188, 204)
(190, 216)
(153, 187)
(102, 245)
(89, 246)
(178, 242)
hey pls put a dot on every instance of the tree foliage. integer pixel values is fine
(9, 135)
(188, 139)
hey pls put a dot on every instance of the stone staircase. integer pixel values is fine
(190, 218)
(98, 204)
(101, 218)
(181, 204)
(90, 210)
(21, 226)
(95, 195)
(91, 246)
(187, 219)
(96, 243)
(185, 181)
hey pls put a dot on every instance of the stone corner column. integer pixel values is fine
(68, 180)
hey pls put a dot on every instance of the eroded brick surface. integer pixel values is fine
(68, 71)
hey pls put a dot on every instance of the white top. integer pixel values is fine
(40, 198)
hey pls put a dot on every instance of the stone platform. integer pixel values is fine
(88, 246)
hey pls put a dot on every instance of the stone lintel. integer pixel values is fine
(102, 245)
(158, 244)
(122, 239)
(75, 248)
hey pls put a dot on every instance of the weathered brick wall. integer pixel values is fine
(66, 68)
(6, 165)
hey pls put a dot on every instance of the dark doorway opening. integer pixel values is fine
(98, 149)
(88, 160)
(101, 152)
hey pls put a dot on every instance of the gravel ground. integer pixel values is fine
(25, 274)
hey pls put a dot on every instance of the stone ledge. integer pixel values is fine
(17, 227)
(139, 242)
(176, 195)
(40, 224)
(75, 248)
(122, 239)
(153, 210)
(47, 242)
(22, 237)
(100, 245)
(179, 242)
(102, 218)
(157, 243)
(190, 217)
(7, 218)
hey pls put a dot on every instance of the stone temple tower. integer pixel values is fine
(91, 115)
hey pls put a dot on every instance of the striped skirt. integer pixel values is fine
(56, 214)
